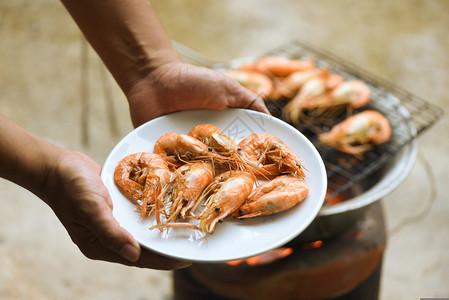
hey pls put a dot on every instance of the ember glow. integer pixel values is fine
(312, 245)
(265, 258)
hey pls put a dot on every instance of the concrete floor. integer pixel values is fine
(52, 84)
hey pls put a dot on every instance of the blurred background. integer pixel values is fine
(55, 86)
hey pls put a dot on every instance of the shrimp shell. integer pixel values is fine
(182, 148)
(358, 133)
(142, 176)
(274, 196)
(224, 196)
(270, 155)
(279, 66)
(214, 137)
(187, 183)
(313, 89)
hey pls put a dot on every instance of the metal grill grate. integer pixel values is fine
(408, 115)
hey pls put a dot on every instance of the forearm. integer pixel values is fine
(126, 34)
(24, 158)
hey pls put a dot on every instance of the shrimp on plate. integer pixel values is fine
(187, 183)
(256, 82)
(358, 133)
(222, 144)
(142, 176)
(315, 87)
(270, 156)
(227, 192)
(222, 197)
(214, 137)
(179, 148)
(274, 196)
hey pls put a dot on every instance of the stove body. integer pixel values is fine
(346, 266)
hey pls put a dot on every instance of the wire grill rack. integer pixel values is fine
(408, 115)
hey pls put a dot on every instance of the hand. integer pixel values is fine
(75, 192)
(177, 86)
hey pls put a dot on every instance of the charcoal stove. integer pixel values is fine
(345, 267)
(339, 256)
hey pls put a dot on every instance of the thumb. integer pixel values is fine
(110, 234)
(244, 98)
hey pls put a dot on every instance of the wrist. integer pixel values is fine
(24, 158)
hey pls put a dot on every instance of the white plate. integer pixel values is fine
(233, 239)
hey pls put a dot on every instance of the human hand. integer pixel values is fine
(176, 86)
(74, 190)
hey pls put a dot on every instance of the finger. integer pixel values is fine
(258, 104)
(240, 96)
(92, 248)
(100, 221)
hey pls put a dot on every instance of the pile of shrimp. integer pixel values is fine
(304, 87)
(302, 83)
(206, 176)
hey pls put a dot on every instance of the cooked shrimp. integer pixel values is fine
(270, 155)
(224, 196)
(279, 66)
(354, 93)
(316, 86)
(222, 144)
(181, 148)
(214, 137)
(289, 86)
(358, 133)
(187, 183)
(257, 82)
(142, 176)
(277, 195)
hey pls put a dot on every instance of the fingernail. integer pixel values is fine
(130, 252)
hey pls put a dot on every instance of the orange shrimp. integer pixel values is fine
(222, 144)
(270, 155)
(279, 66)
(358, 133)
(257, 82)
(227, 192)
(181, 148)
(315, 87)
(187, 183)
(214, 137)
(277, 195)
(142, 176)
(354, 93)
(289, 86)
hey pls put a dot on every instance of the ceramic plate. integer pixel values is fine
(233, 239)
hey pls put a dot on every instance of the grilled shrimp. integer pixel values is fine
(222, 144)
(181, 148)
(227, 192)
(270, 155)
(187, 183)
(313, 88)
(214, 137)
(142, 176)
(257, 82)
(354, 93)
(277, 195)
(279, 66)
(358, 133)
(289, 86)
